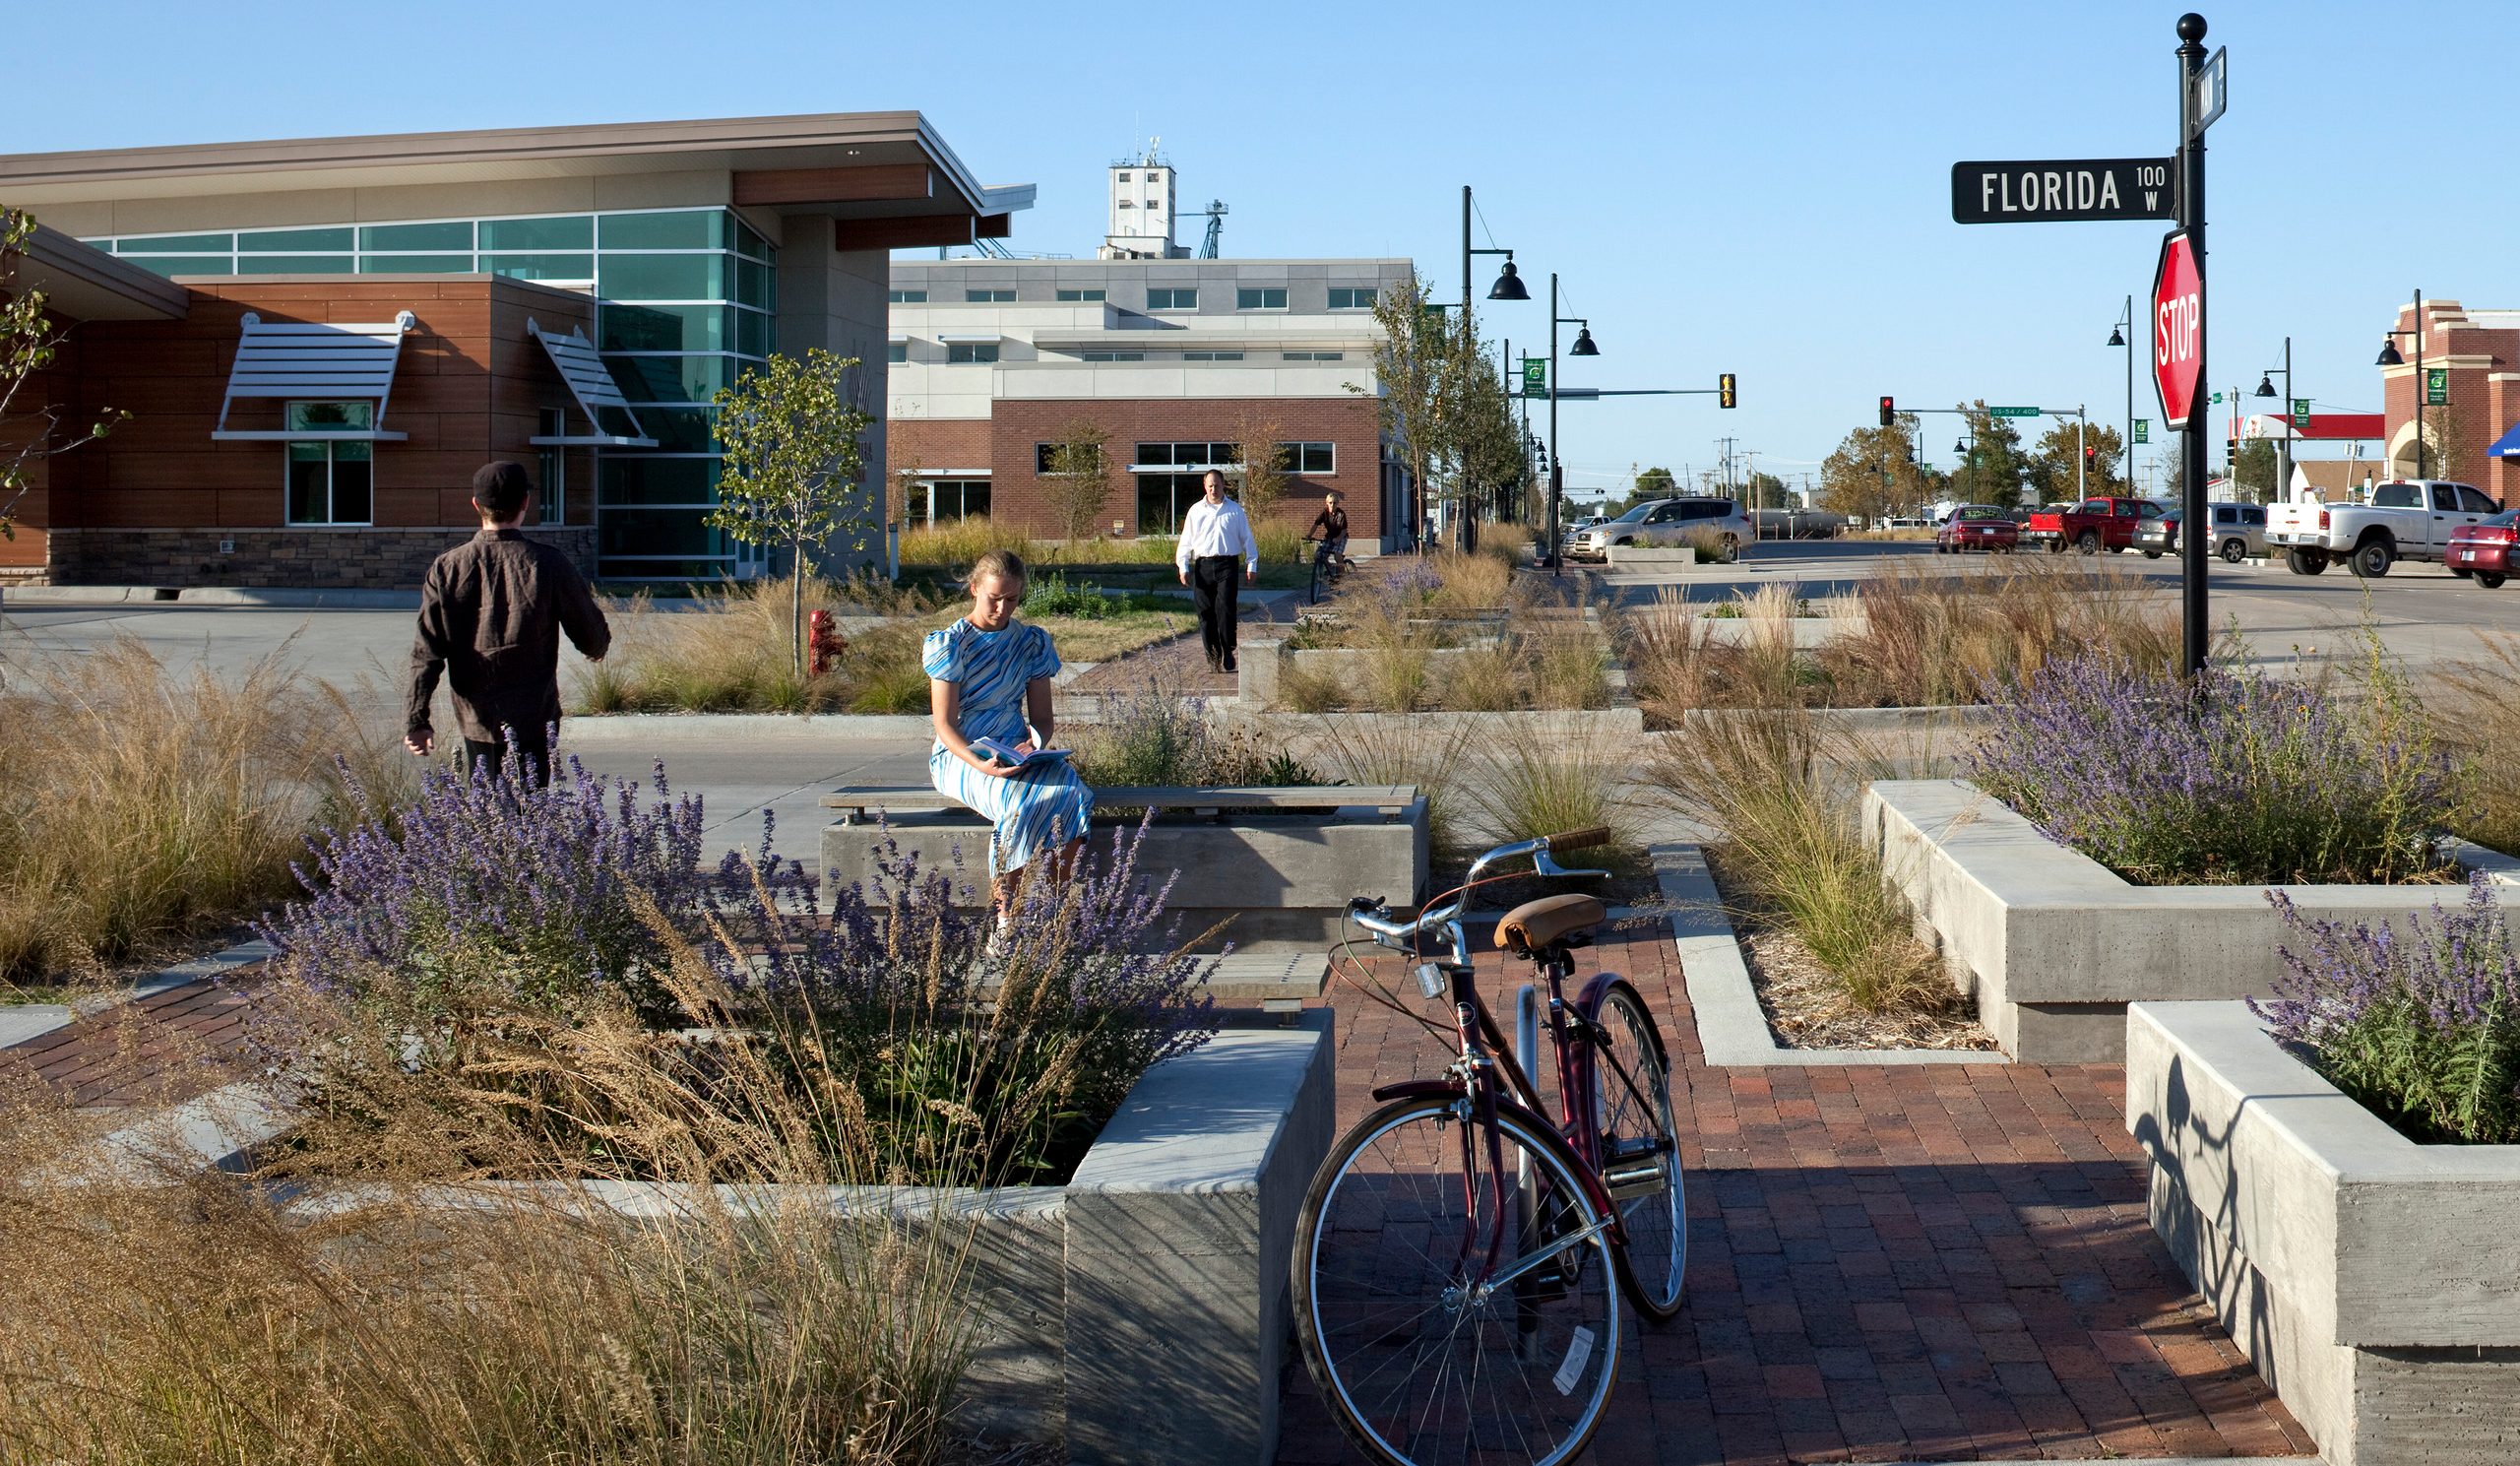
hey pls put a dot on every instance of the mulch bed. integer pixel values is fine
(1805, 1007)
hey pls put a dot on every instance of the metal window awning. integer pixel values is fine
(592, 384)
(953, 337)
(315, 359)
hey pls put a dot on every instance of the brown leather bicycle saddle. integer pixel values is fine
(1548, 921)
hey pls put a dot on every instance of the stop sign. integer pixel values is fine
(2179, 327)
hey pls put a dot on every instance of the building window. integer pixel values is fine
(1176, 299)
(1042, 459)
(1079, 296)
(1268, 298)
(1114, 355)
(989, 298)
(1200, 456)
(1309, 355)
(1351, 297)
(947, 499)
(1309, 458)
(897, 351)
(907, 297)
(971, 352)
(551, 499)
(1164, 498)
(331, 482)
(1211, 356)
(1128, 204)
(1125, 177)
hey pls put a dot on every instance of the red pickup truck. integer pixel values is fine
(2090, 526)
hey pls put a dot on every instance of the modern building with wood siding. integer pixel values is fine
(319, 339)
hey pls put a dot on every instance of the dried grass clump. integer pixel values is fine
(1468, 583)
(2473, 702)
(1433, 753)
(956, 543)
(731, 650)
(1509, 544)
(1532, 786)
(1780, 797)
(425, 1313)
(140, 807)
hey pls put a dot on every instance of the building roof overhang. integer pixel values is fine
(851, 164)
(84, 283)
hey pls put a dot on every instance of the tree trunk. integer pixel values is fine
(796, 609)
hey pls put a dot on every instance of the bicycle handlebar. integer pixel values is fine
(1390, 933)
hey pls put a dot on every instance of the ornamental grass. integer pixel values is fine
(142, 808)
(1779, 796)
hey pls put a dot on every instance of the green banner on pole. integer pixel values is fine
(2012, 411)
(2300, 411)
(1535, 376)
(2436, 386)
(2143, 429)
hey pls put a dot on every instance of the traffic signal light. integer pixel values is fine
(1724, 390)
(1889, 413)
(2090, 456)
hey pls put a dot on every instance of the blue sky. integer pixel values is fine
(1760, 189)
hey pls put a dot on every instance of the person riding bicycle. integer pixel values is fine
(1330, 527)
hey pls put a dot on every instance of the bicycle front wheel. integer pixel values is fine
(1454, 1289)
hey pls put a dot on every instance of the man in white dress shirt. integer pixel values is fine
(1214, 534)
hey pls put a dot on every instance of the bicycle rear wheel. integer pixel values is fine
(1641, 1154)
(1426, 1343)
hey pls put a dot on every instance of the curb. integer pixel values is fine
(1731, 1028)
(273, 599)
(580, 728)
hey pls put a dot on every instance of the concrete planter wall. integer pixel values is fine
(2374, 1282)
(2055, 945)
(1283, 878)
(1141, 1311)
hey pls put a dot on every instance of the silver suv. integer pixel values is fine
(1669, 523)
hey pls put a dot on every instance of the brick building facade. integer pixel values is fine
(1178, 362)
(2478, 353)
(161, 502)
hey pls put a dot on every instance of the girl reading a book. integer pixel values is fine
(988, 679)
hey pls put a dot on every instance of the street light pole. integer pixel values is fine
(2389, 357)
(2123, 335)
(2194, 625)
(1557, 455)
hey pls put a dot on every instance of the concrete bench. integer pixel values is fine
(1277, 866)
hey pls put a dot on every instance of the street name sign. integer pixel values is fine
(2179, 327)
(2067, 190)
(2012, 411)
(2213, 88)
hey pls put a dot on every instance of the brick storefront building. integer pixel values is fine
(2478, 353)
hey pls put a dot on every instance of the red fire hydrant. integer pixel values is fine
(824, 641)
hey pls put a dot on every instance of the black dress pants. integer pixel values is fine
(1216, 588)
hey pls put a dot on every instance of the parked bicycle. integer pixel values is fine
(1454, 1259)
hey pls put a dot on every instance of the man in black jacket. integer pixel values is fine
(491, 614)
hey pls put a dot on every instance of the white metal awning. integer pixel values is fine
(954, 337)
(592, 384)
(315, 359)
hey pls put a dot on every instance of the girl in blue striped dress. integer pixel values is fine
(988, 676)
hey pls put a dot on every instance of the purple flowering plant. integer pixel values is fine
(2235, 777)
(495, 886)
(970, 1058)
(2422, 1027)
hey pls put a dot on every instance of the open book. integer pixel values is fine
(1008, 754)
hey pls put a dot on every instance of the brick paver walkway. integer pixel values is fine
(1179, 664)
(169, 1043)
(1930, 1262)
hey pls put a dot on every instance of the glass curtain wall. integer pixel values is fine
(686, 299)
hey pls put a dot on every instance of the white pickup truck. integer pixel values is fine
(2406, 519)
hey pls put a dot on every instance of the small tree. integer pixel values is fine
(1078, 476)
(1264, 469)
(1655, 483)
(27, 345)
(1872, 475)
(792, 434)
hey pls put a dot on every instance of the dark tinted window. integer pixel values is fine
(2398, 496)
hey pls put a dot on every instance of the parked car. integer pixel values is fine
(1976, 527)
(2486, 549)
(2090, 526)
(2240, 531)
(2406, 519)
(1667, 523)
